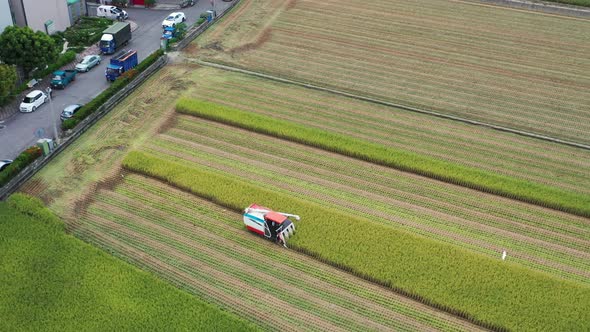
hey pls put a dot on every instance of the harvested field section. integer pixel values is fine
(204, 249)
(94, 156)
(543, 239)
(513, 155)
(517, 69)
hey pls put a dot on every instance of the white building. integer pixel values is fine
(46, 15)
(5, 15)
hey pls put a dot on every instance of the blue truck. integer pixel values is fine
(62, 78)
(120, 63)
(115, 36)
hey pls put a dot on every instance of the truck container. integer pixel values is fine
(62, 78)
(115, 36)
(120, 63)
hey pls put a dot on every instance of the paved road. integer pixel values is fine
(20, 130)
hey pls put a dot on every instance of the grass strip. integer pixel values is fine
(486, 181)
(494, 294)
(54, 282)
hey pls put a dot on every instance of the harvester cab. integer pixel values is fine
(275, 226)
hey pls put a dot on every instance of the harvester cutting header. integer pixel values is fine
(273, 225)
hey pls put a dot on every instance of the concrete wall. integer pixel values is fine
(38, 12)
(5, 15)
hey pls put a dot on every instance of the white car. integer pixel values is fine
(4, 163)
(173, 19)
(32, 101)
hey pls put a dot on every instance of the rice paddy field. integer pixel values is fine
(462, 58)
(202, 248)
(540, 238)
(378, 247)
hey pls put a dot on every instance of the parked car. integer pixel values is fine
(111, 12)
(173, 19)
(61, 78)
(32, 101)
(4, 163)
(69, 111)
(88, 63)
(187, 3)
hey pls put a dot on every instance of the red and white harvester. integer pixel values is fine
(273, 225)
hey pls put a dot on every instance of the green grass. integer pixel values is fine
(490, 292)
(474, 178)
(54, 282)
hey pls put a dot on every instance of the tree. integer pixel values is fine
(23, 47)
(7, 83)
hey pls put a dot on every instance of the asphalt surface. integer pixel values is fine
(24, 129)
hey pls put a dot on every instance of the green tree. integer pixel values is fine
(23, 47)
(7, 83)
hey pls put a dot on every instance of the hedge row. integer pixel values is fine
(486, 181)
(23, 160)
(52, 281)
(119, 84)
(492, 293)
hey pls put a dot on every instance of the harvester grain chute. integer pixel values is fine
(275, 226)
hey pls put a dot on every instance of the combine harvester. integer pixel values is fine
(274, 226)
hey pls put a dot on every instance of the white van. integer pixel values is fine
(111, 12)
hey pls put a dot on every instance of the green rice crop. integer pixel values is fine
(470, 177)
(54, 282)
(492, 293)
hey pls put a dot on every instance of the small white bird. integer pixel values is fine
(503, 254)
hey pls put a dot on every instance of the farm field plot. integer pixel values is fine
(542, 239)
(513, 155)
(513, 68)
(204, 249)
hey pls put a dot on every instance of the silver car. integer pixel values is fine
(69, 111)
(88, 63)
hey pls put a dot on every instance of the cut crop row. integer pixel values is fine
(403, 160)
(176, 227)
(494, 294)
(539, 238)
(513, 155)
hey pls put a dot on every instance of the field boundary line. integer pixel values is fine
(393, 105)
(536, 6)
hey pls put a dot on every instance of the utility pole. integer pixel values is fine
(53, 118)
